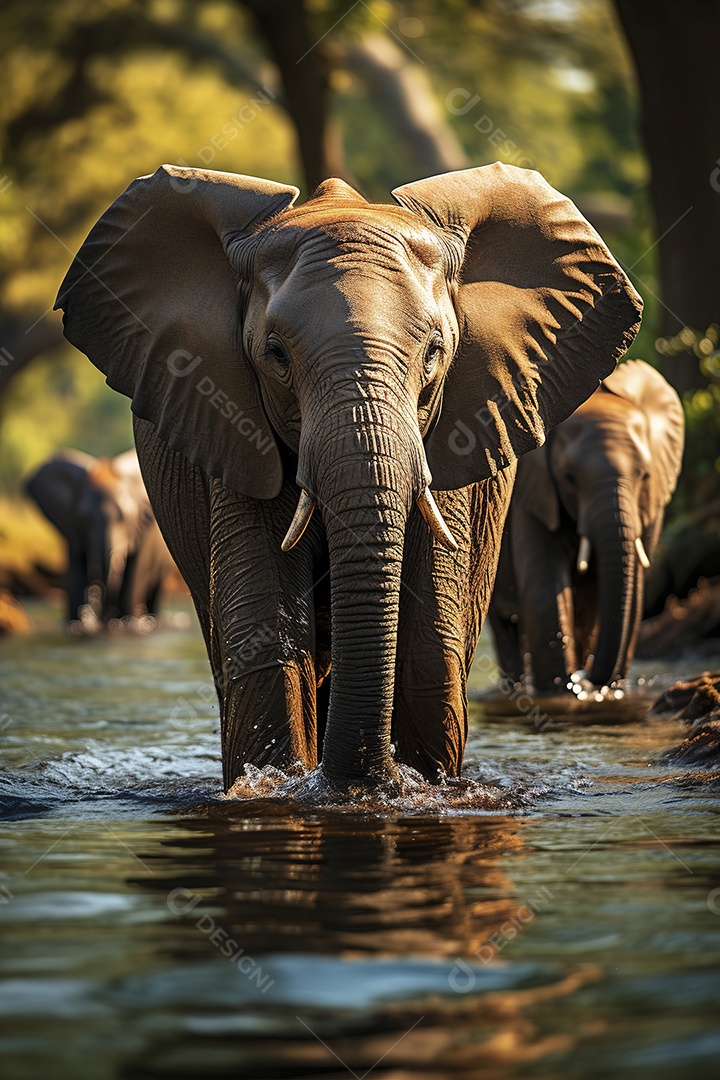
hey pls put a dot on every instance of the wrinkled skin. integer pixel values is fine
(368, 350)
(606, 474)
(103, 511)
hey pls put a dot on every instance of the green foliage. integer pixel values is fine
(60, 400)
(544, 86)
(557, 84)
(701, 465)
(700, 479)
(549, 86)
(148, 106)
(705, 345)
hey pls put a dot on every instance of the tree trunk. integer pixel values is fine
(403, 92)
(297, 49)
(675, 51)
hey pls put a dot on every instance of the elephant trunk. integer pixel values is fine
(366, 474)
(614, 536)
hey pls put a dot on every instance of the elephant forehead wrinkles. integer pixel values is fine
(361, 239)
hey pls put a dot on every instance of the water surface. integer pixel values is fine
(558, 916)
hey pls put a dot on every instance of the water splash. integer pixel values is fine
(406, 792)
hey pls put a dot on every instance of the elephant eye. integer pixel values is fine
(275, 352)
(434, 351)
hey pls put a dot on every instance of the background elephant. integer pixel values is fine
(344, 356)
(102, 509)
(584, 520)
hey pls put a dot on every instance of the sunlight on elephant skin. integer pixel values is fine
(585, 518)
(387, 364)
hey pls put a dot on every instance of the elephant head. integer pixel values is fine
(608, 472)
(372, 351)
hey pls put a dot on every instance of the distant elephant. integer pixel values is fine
(102, 509)
(343, 355)
(584, 520)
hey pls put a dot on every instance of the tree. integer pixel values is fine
(675, 51)
(296, 48)
(72, 90)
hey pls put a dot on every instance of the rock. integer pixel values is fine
(697, 703)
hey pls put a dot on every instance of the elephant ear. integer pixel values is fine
(646, 388)
(152, 299)
(544, 313)
(534, 488)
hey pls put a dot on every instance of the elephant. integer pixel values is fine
(584, 520)
(102, 509)
(344, 356)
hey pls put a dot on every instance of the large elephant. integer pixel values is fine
(348, 356)
(584, 520)
(117, 558)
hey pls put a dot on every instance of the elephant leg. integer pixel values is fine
(77, 582)
(126, 605)
(148, 572)
(262, 617)
(152, 596)
(542, 567)
(443, 602)
(507, 645)
(504, 617)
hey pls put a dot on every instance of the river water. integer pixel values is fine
(557, 914)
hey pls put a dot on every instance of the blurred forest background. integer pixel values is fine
(616, 102)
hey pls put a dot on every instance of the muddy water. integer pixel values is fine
(557, 914)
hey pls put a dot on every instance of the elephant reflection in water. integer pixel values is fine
(117, 558)
(386, 887)
(356, 888)
(584, 521)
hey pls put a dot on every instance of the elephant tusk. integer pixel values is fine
(299, 523)
(583, 559)
(642, 554)
(433, 517)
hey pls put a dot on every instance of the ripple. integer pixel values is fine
(406, 792)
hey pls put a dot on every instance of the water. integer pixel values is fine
(556, 915)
